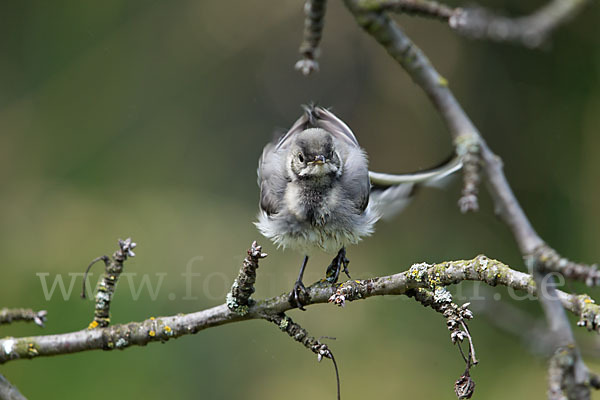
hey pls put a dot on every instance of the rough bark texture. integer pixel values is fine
(161, 329)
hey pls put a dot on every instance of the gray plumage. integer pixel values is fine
(315, 188)
(314, 185)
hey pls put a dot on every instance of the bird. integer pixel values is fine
(317, 193)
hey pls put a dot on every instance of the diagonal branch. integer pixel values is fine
(421, 8)
(479, 23)
(301, 336)
(8, 391)
(411, 58)
(440, 300)
(530, 30)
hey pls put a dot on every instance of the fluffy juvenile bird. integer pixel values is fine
(316, 192)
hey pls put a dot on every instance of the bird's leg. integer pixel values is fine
(299, 291)
(338, 264)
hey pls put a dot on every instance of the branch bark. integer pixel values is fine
(479, 23)
(9, 315)
(466, 137)
(8, 391)
(162, 329)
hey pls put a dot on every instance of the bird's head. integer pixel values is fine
(313, 156)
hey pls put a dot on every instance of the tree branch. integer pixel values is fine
(238, 299)
(8, 391)
(313, 31)
(113, 267)
(421, 8)
(9, 315)
(162, 329)
(479, 23)
(531, 30)
(301, 336)
(466, 137)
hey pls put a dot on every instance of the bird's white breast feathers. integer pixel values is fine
(308, 237)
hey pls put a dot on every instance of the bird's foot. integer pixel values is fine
(338, 264)
(298, 296)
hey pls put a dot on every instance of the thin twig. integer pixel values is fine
(479, 23)
(106, 260)
(440, 300)
(530, 30)
(313, 31)
(300, 335)
(472, 356)
(9, 315)
(551, 261)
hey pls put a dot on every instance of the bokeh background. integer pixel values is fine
(146, 118)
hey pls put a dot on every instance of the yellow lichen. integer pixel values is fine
(93, 324)
(168, 328)
(152, 333)
(31, 350)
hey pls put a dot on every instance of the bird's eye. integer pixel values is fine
(300, 157)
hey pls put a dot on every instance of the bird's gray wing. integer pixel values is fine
(272, 179)
(355, 177)
(300, 125)
(319, 117)
(327, 120)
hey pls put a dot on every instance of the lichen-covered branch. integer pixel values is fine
(464, 133)
(9, 315)
(471, 159)
(559, 362)
(456, 316)
(381, 27)
(479, 23)
(161, 329)
(238, 297)
(301, 336)
(551, 261)
(440, 300)
(8, 391)
(106, 287)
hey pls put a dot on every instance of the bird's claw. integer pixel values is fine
(338, 264)
(298, 295)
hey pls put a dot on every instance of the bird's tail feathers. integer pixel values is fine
(391, 193)
(428, 177)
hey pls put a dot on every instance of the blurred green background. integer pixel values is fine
(146, 118)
